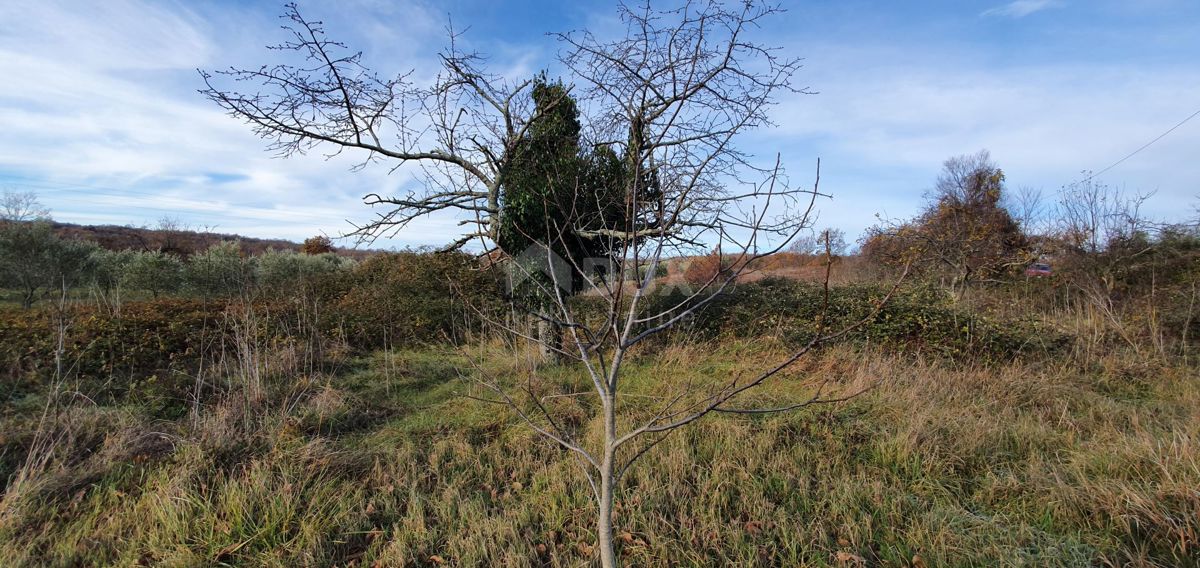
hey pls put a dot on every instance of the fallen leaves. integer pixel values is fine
(849, 557)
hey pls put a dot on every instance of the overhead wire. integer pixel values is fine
(1136, 152)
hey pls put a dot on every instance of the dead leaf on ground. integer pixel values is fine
(843, 556)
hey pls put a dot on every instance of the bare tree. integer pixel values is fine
(1027, 206)
(458, 129)
(673, 94)
(1091, 214)
(600, 346)
(1102, 236)
(963, 179)
(666, 103)
(22, 206)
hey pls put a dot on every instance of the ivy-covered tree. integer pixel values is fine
(560, 202)
(561, 195)
(963, 235)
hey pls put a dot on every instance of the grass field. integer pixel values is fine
(381, 462)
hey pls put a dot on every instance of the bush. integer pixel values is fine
(289, 272)
(917, 320)
(155, 272)
(405, 297)
(319, 244)
(145, 338)
(702, 269)
(220, 271)
(660, 271)
(154, 348)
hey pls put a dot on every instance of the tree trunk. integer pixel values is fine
(549, 338)
(604, 528)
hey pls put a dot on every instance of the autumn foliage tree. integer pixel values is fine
(319, 244)
(964, 235)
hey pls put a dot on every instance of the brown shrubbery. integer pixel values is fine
(712, 267)
(388, 300)
(964, 235)
(319, 244)
(400, 298)
(146, 337)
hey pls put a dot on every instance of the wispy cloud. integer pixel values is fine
(1021, 8)
(102, 120)
(882, 133)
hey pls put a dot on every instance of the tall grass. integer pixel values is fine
(1026, 463)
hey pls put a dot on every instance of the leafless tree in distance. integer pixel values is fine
(1102, 233)
(22, 206)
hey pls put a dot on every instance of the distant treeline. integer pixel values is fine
(178, 240)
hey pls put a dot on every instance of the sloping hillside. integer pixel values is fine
(182, 242)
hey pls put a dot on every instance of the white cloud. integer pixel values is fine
(99, 109)
(883, 132)
(102, 120)
(110, 35)
(1021, 8)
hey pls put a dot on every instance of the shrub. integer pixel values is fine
(289, 272)
(153, 348)
(660, 271)
(919, 319)
(146, 337)
(409, 296)
(155, 272)
(319, 244)
(702, 269)
(220, 271)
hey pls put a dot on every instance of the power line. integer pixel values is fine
(1143, 147)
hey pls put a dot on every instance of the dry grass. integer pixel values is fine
(1027, 464)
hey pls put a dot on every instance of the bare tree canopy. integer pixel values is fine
(635, 153)
(671, 96)
(22, 206)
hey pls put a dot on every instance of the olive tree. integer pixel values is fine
(282, 271)
(156, 272)
(107, 276)
(35, 261)
(220, 271)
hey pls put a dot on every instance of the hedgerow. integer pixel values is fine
(917, 319)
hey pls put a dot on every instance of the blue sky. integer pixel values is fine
(99, 112)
